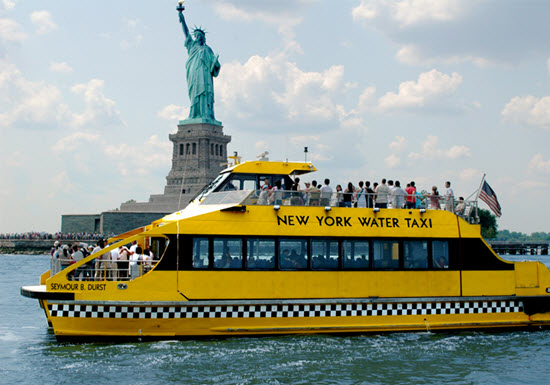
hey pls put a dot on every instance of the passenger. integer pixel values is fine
(296, 199)
(78, 256)
(264, 193)
(461, 207)
(123, 263)
(135, 262)
(339, 196)
(411, 196)
(100, 260)
(326, 193)
(449, 196)
(382, 192)
(390, 196)
(361, 196)
(314, 194)
(225, 260)
(285, 259)
(441, 263)
(65, 257)
(370, 195)
(398, 196)
(113, 265)
(277, 193)
(305, 194)
(434, 199)
(348, 195)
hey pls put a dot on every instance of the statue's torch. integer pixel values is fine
(180, 6)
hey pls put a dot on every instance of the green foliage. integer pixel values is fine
(488, 224)
(514, 236)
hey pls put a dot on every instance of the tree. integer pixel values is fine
(488, 224)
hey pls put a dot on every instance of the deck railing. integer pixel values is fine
(102, 270)
(464, 209)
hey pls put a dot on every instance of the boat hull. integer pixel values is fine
(81, 320)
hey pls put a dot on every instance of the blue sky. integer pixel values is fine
(424, 90)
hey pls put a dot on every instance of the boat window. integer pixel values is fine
(386, 254)
(228, 253)
(240, 182)
(200, 253)
(293, 253)
(324, 254)
(261, 253)
(356, 254)
(415, 254)
(440, 254)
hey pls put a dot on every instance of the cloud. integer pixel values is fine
(75, 142)
(8, 4)
(153, 154)
(173, 112)
(470, 174)
(60, 67)
(466, 30)
(548, 65)
(99, 110)
(133, 35)
(399, 144)
(431, 150)
(528, 110)
(27, 101)
(285, 15)
(366, 98)
(43, 21)
(266, 87)
(538, 164)
(392, 161)
(10, 31)
(429, 89)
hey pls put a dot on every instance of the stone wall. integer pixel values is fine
(117, 222)
(80, 223)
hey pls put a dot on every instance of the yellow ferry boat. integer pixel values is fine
(239, 260)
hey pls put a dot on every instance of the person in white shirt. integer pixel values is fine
(449, 197)
(113, 268)
(326, 193)
(100, 261)
(398, 196)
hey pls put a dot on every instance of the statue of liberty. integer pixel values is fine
(202, 65)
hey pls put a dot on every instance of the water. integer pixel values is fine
(29, 353)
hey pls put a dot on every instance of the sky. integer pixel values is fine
(423, 90)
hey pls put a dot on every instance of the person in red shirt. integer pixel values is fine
(411, 196)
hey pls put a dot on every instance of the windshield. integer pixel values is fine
(211, 187)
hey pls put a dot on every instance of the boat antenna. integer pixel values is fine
(305, 154)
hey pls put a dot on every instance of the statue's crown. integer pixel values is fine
(199, 30)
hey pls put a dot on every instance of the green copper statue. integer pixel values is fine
(202, 65)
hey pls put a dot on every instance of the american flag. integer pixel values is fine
(488, 196)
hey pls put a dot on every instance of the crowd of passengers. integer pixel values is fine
(387, 194)
(119, 264)
(59, 236)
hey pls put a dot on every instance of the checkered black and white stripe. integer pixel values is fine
(285, 311)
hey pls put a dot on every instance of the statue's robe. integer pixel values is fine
(202, 65)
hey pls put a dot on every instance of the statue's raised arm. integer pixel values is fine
(183, 23)
(202, 66)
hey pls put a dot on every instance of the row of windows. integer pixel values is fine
(317, 254)
(191, 148)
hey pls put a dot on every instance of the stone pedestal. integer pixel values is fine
(199, 152)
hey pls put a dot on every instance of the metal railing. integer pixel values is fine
(103, 270)
(464, 209)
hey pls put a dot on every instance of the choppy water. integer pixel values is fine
(29, 353)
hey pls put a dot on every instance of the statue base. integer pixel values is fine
(187, 121)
